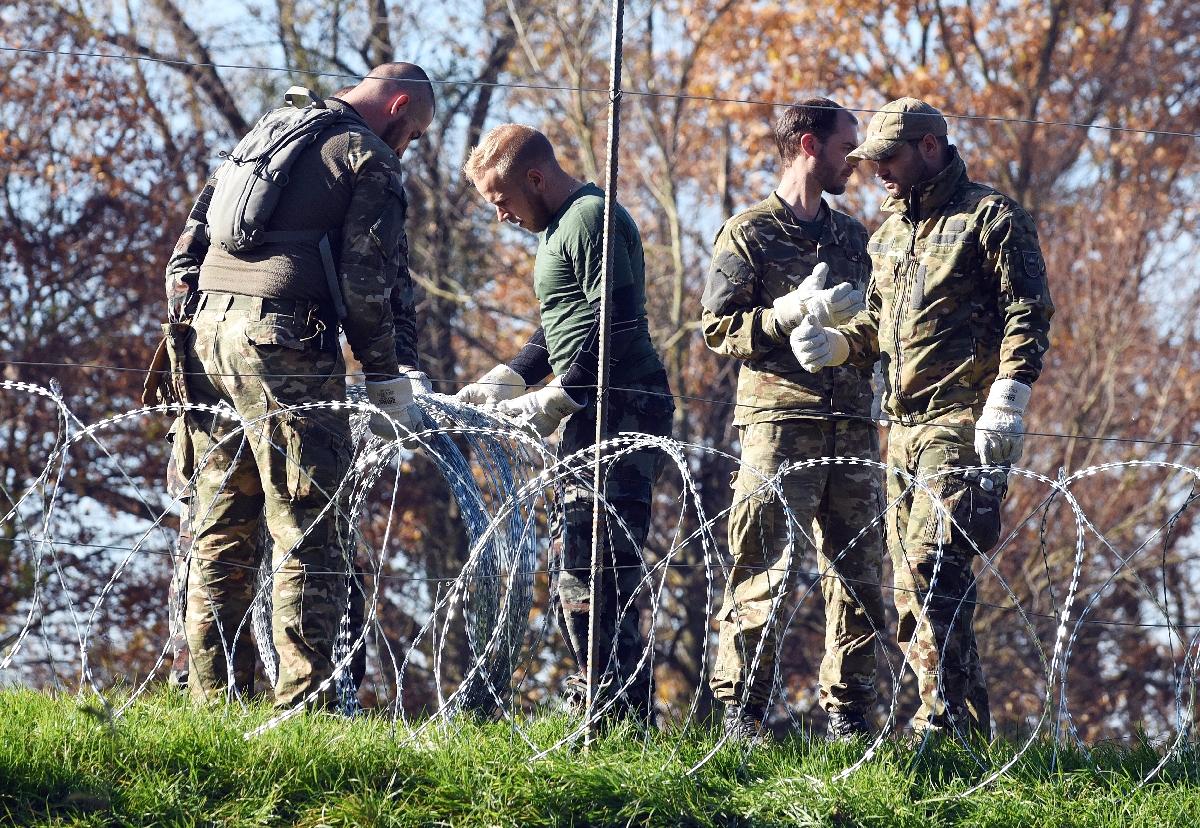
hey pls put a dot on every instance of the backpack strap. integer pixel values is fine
(286, 236)
(335, 289)
(327, 263)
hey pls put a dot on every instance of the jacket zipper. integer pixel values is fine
(901, 301)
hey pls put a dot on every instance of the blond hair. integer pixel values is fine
(507, 150)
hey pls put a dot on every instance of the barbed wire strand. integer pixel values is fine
(643, 93)
(1149, 441)
(429, 579)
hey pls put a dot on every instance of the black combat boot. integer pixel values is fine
(745, 724)
(574, 696)
(847, 725)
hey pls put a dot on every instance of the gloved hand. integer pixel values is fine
(395, 398)
(543, 409)
(500, 383)
(1000, 430)
(836, 305)
(420, 380)
(816, 346)
(829, 306)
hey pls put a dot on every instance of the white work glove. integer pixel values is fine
(816, 346)
(420, 380)
(500, 383)
(829, 306)
(543, 409)
(1000, 430)
(394, 398)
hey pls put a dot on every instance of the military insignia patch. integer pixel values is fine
(729, 277)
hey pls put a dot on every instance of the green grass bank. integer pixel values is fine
(167, 763)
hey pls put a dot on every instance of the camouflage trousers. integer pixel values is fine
(628, 489)
(180, 487)
(285, 469)
(845, 503)
(932, 558)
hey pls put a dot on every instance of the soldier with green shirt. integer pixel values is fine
(515, 169)
(772, 264)
(959, 314)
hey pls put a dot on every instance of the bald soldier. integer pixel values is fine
(515, 169)
(959, 313)
(259, 284)
(785, 257)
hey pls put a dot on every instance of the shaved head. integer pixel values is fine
(397, 102)
(510, 150)
(389, 79)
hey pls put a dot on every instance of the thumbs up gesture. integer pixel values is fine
(827, 306)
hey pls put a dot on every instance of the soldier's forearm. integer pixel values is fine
(863, 341)
(1023, 349)
(741, 335)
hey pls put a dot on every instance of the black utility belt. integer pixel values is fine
(299, 308)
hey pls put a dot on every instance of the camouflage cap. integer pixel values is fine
(906, 119)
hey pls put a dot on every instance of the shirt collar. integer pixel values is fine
(930, 196)
(830, 232)
(582, 190)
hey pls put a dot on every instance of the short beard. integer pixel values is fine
(540, 220)
(829, 176)
(393, 131)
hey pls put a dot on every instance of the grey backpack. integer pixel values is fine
(255, 173)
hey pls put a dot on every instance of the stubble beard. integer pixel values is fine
(540, 218)
(830, 178)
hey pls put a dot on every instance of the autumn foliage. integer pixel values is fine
(99, 161)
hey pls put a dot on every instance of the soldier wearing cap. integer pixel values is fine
(958, 312)
(772, 264)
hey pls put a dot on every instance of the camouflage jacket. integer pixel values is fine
(958, 297)
(759, 255)
(377, 289)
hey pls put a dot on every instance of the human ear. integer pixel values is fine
(809, 144)
(398, 103)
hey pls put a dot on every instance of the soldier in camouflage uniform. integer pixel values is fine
(959, 312)
(179, 487)
(258, 332)
(759, 287)
(514, 168)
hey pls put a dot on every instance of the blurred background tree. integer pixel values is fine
(100, 159)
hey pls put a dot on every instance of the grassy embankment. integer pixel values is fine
(166, 763)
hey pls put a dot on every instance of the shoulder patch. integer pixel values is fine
(729, 277)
